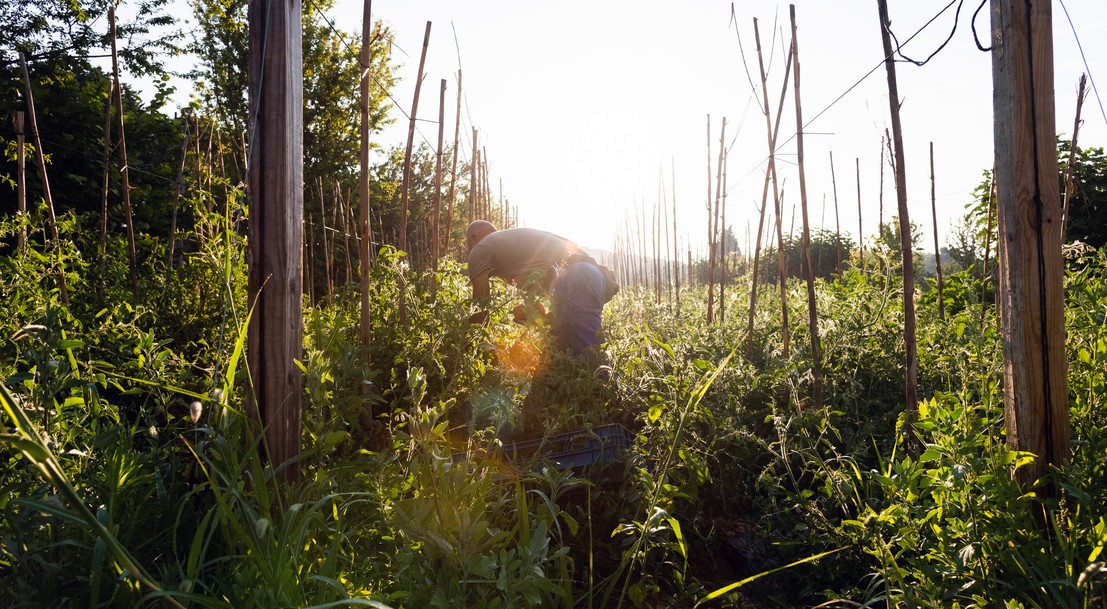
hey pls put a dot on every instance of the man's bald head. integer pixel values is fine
(477, 230)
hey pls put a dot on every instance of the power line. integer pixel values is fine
(1087, 69)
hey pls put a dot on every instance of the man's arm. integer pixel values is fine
(481, 294)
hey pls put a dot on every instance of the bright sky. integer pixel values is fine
(583, 106)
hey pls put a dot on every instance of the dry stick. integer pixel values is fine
(41, 157)
(453, 169)
(1068, 182)
(177, 192)
(438, 180)
(771, 132)
(904, 219)
(365, 332)
(816, 351)
(837, 221)
(860, 230)
(937, 251)
(128, 216)
(21, 178)
(782, 268)
(106, 187)
(676, 254)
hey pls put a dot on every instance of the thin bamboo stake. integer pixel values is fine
(710, 230)
(837, 220)
(904, 218)
(128, 216)
(937, 250)
(406, 185)
(21, 178)
(326, 243)
(813, 319)
(860, 230)
(988, 233)
(341, 209)
(665, 252)
(453, 169)
(880, 198)
(723, 246)
(474, 161)
(365, 331)
(436, 240)
(178, 190)
(771, 132)
(41, 157)
(676, 254)
(1068, 181)
(655, 232)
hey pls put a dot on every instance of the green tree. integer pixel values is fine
(1088, 205)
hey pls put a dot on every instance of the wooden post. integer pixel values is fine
(125, 172)
(40, 156)
(436, 240)
(406, 185)
(1067, 182)
(365, 332)
(276, 189)
(1031, 268)
(812, 313)
(21, 178)
(937, 249)
(453, 170)
(837, 221)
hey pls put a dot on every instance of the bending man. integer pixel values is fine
(576, 283)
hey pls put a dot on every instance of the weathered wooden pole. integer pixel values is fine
(723, 245)
(21, 178)
(812, 313)
(436, 240)
(406, 185)
(275, 189)
(937, 249)
(837, 221)
(453, 169)
(1031, 269)
(40, 156)
(125, 172)
(365, 331)
(1068, 181)
(906, 250)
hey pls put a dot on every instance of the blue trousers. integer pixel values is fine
(578, 307)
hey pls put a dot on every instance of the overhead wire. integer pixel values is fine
(1087, 69)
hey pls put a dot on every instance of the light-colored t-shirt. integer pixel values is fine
(514, 252)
